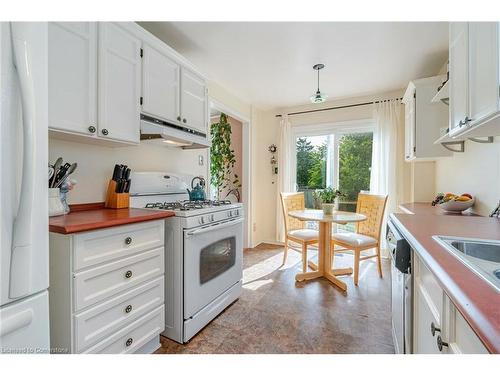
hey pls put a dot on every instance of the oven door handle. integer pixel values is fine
(214, 227)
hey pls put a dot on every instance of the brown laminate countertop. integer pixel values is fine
(422, 208)
(84, 220)
(476, 300)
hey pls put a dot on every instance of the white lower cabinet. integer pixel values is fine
(114, 304)
(438, 327)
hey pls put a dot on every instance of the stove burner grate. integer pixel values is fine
(188, 205)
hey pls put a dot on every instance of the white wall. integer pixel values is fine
(96, 162)
(476, 171)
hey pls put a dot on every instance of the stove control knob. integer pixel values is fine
(236, 213)
(230, 214)
(201, 220)
(212, 217)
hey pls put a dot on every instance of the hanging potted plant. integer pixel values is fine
(222, 160)
(330, 200)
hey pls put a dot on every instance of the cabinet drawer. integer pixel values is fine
(135, 335)
(101, 282)
(100, 321)
(95, 247)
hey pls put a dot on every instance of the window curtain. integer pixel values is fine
(284, 173)
(387, 156)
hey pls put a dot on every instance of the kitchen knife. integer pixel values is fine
(126, 175)
(116, 173)
(126, 188)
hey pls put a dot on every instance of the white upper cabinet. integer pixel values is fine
(119, 83)
(194, 110)
(474, 79)
(160, 85)
(458, 75)
(424, 120)
(483, 70)
(73, 77)
(102, 76)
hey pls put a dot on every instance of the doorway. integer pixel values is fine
(240, 128)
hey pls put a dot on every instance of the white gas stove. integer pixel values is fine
(203, 251)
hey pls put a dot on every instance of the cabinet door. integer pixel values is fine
(483, 70)
(410, 123)
(119, 83)
(160, 85)
(458, 76)
(461, 339)
(193, 101)
(425, 313)
(72, 54)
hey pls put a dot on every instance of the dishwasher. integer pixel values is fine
(401, 285)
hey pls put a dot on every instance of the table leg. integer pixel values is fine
(327, 267)
(319, 270)
(323, 268)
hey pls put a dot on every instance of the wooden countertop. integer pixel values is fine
(476, 300)
(96, 216)
(422, 208)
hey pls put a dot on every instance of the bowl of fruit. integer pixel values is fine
(450, 202)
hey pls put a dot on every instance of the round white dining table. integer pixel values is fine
(324, 268)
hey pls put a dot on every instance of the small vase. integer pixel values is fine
(56, 207)
(328, 208)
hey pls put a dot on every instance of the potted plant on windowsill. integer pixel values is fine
(330, 199)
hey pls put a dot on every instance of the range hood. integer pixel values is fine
(159, 131)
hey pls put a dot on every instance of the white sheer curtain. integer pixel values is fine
(387, 157)
(284, 173)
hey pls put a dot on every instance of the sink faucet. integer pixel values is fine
(496, 211)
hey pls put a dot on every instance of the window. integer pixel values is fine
(338, 155)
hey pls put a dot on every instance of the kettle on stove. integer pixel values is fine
(197, 193)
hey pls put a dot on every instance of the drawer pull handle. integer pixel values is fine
(129, 341)
(434, 329)
(104, 131)
(92, 129)
(128, 309)
(441, 343)
(128, 274)
(128, 240)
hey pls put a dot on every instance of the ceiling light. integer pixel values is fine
(318, 97)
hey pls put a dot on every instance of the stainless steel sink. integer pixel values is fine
(481, 256)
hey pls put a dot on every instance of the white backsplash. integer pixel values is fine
(95, 164)
(476, 171)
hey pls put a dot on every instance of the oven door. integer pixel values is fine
(212, 263)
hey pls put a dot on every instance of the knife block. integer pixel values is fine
(116, 200)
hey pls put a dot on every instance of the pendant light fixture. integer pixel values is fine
(318, 97)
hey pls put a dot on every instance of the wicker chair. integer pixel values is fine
(295, 230)
(367, 234)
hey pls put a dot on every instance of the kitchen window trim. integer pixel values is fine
(334, 130)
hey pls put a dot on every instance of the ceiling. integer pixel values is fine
(270, 64)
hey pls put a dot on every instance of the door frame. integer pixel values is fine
(246, 163)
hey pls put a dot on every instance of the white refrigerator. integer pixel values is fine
(24, 257)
